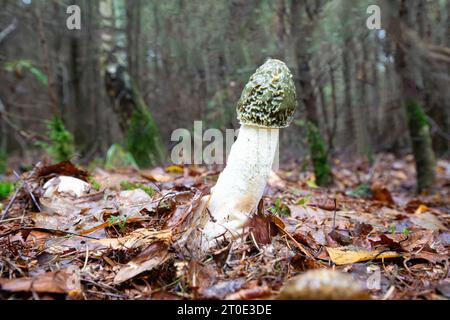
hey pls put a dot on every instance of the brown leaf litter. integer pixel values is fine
(369, 236)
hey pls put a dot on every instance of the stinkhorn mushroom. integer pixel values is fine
(267, 103)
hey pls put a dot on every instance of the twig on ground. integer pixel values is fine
(334, 213)
(11, 202)
(86, 258)
(66, 233)
(25, 184)
(389, 293)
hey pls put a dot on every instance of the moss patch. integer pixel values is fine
(319, 156)
(419, 131)
(416, 116)
(127, 185)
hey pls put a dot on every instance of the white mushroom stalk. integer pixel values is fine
(267, 104)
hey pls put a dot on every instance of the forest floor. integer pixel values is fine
(121, 239)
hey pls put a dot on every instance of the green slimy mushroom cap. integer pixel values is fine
(268, 99)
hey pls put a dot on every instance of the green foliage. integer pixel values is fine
(280, 209)
(61, 146)
(416, 115)
(3, 161)
(312, 184)
(5, 189)
(143, 140)
(319, 155)
(361, 191)
(127, 185)
(120, 221)
(305, 200)
(19, 66)
(300, 122)
(117, 157)
(392, 229)
(94, 183)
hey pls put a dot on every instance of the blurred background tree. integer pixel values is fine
(180, 61)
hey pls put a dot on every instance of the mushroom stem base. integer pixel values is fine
(241, 184)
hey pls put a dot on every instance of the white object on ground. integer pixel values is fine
(66, 185)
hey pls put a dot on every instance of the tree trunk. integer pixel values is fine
(378, 111)
(142, 135)
(349, 127)
(318, 151)
(419, 130)
(407, 63)
(362, 110)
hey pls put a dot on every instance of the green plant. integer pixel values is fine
(120, 221)
(117, 157)
(416, 115)
(143, 140)
(300, 122)
(392, 229)
(361, 191)
(305, 200)
(5, 189)
(61, 146)
(312, 184)
(3, 161)
(280, 209)
(127, 185)
(94, 183)
(319, 155)
(422, 146)
(19, 66)
(165, 205)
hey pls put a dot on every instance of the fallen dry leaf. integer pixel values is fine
(262, 229)
(220, 256)
(222, 289)
(343, 255)
(175, 169)
(257, 292)
(152, 257)
(61, 281)
(444, 287)
(390, 242)
(421, 209)
(429, 256)
(157, 174)
(381, 193)
(363, 231)
(136, 239)
(428, 221)
(64, 168)
(201, 276)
